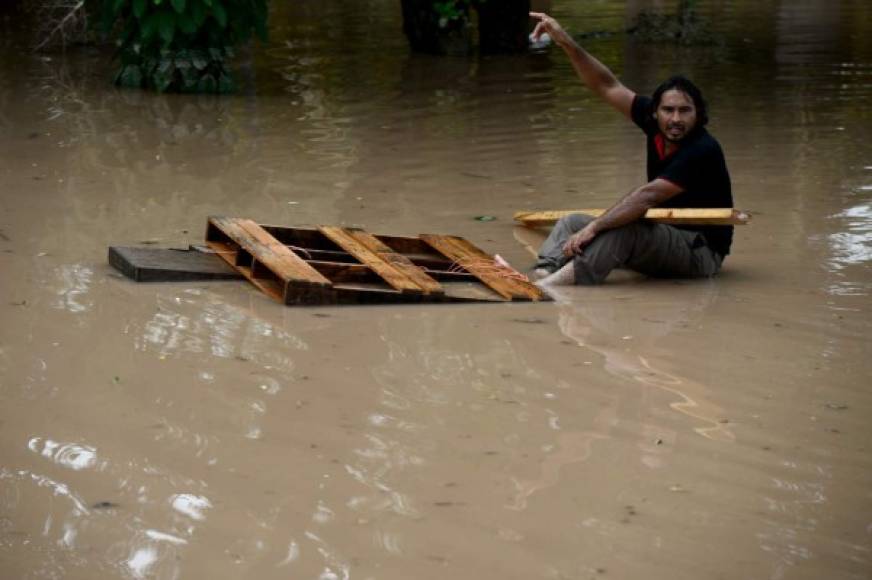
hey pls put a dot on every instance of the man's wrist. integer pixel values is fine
(564, 41)
(592, 228)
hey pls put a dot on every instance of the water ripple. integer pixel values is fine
(193, 506)
(70, 455)
(75, 282)
(58, 488)
(854, 245)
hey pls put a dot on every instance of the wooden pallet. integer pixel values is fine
(334, 265)
(676, 216)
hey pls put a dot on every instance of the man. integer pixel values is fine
(686, 168)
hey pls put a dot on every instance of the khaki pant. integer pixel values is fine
(653, 249)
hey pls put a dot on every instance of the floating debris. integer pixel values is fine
(105, 505)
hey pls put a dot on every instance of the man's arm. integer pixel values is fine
(630, 208)
(592, 72)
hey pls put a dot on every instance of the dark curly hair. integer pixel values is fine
(684, 85)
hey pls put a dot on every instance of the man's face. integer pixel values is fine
(676, 115)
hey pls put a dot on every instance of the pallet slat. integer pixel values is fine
(390, 266)
(278, 258)
(482, 266)
(675, 216)
(265, 262)
(399, 262)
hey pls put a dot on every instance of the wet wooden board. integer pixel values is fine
(267, 251)
(403, 264)
(482, 266)
(265, 262)
(674, 216)
(146, 264)
(399, 272)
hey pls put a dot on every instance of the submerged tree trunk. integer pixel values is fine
(503, 26)
(422, 27)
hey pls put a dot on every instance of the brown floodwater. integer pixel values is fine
(642, 429)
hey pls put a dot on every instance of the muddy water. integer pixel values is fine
(643, 429)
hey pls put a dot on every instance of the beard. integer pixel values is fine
(675, 132)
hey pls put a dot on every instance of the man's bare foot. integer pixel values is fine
(539, 274)
(565, 276)
(502, 262)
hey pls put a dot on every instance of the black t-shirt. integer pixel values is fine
(698, 166)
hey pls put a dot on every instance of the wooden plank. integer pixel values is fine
(234, 255)
(169, 264)
(275, 256)
(483, 266)
(399, 262)
(395, 278)
(313, 239)
(280, 259)
(266, 262)
(676, 216)
(428, 261)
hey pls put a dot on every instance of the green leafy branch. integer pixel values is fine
(181, 45)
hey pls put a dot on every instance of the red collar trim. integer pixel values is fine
(660, 145)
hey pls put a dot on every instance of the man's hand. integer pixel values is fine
(578, 241)
(545, 23)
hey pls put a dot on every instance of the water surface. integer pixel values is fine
(642, 429)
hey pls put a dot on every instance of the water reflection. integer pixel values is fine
(796, 506)
(164, 537)
(337, 567)
(192, 323)
(601, 326)
(600, 329)
(193, 506)
(450, 426)
(57, 488)
(852, 245)
(293, 554)
(73, 287)
(70, 455)
(569, 448)
(149, 554)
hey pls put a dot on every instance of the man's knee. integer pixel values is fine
(706, 263)
(575, 221)
(624, 237)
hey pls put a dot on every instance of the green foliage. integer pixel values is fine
(181, 45)
(452, 12)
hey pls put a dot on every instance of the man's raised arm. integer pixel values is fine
(592, 72)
